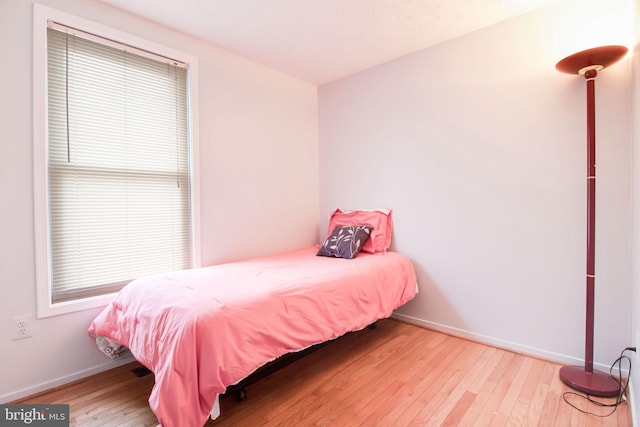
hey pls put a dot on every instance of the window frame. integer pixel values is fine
(41, 16)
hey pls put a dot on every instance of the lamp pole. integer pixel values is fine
(588, 63)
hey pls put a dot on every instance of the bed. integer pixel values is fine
(202, 330)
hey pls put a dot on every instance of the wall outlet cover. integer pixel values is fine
(22, 326)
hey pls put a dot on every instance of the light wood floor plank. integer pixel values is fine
(417, 377)
(484, 389)
(395, 375)
(463, 369)
(520, 409)
(538, 398)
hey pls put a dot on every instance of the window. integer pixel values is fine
(117, 191)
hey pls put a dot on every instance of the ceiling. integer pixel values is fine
(323, 40)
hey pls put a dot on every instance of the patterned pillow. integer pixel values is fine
(346, 241)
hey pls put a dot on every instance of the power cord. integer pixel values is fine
(623, 384)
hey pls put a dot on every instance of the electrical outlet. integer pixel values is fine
(22, 326)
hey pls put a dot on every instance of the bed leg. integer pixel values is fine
(241, 395)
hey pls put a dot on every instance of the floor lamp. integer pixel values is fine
(588, 63)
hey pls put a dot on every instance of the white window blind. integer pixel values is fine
(118, 166)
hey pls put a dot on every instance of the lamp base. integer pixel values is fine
(593, 383)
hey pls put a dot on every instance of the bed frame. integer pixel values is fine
(239, 390)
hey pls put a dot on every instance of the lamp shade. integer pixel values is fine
(596, 58)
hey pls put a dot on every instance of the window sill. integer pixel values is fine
(48, 309)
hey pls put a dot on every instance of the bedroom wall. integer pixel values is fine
(258, 181)
(635, 184)
(478, 144)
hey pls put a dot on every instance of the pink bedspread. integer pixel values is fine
(202, 330)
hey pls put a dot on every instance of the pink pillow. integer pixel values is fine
(379, 219)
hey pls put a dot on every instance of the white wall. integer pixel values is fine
(479, 146)
(635, 161)
(258, 186)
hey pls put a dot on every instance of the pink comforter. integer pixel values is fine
(202, 330)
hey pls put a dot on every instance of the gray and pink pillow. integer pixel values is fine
(345, 241)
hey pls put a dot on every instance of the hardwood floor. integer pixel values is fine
(394, 375)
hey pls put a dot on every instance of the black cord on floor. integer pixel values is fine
(623, 384)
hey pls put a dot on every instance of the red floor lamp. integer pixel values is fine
(588, 63)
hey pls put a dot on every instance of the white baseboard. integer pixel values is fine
(497, 342)
(48, 385)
